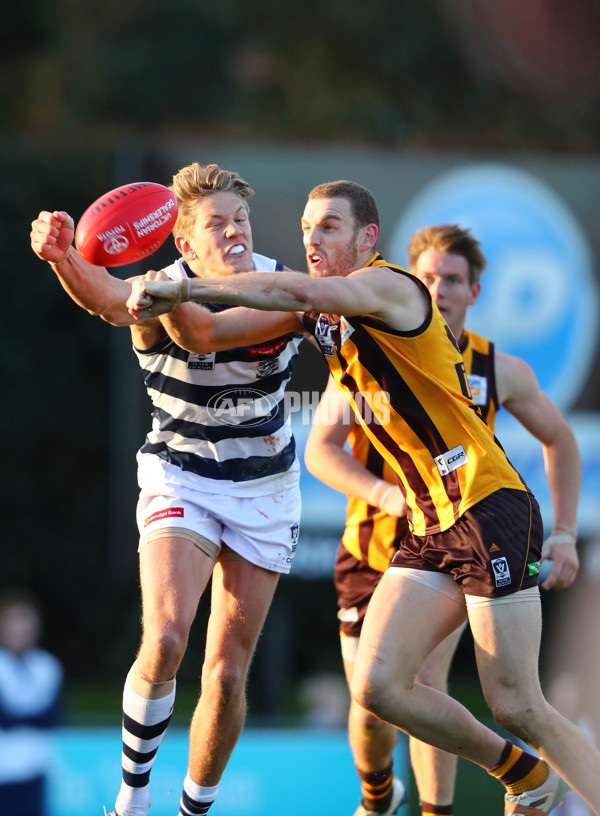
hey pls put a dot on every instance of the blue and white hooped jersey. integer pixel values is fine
(219, 420)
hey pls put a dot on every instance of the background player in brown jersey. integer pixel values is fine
(391, 352)
(448, 259)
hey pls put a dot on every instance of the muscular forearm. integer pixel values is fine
(563, 470)
(338, 469)
(255, 289)
(94, 289)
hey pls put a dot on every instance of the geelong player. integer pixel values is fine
(218, 477)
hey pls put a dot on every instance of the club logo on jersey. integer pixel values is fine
(242, 406)
(452, 459)
(267, 367)
(323, 335)
(345, 330)
(202, 362)
(479, 388)
(501, 571)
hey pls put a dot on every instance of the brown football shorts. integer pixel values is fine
(493, 549)
(355, 582)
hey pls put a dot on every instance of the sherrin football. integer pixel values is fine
(126, 224)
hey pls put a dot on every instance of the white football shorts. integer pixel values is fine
(262, 529)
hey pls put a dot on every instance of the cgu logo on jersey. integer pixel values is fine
(479, 388)
(323, 335)
(501, 571)
(202, 362)
(452, 459)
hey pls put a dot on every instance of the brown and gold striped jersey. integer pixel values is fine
(411, 394)
(370, 534)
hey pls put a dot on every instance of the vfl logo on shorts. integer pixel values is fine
(452, 459)
(501, 571)
(294, 532)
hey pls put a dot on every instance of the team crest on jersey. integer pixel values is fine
(501, 571)
(323, 335)
(345, 330)
(452, 459)
(202, 362)
(267, 367)
(479, 388)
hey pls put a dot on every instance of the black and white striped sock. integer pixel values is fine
(144, 724)
(196, 799)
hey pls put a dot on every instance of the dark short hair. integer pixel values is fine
(362, 201)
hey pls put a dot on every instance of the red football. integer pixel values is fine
(127, 224)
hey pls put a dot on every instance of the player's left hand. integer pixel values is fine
(144, 304)
(560, 548)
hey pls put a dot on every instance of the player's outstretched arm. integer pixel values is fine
(519, 392)
(394, 298)
(196, 329)
(326, 457)
(91, 287)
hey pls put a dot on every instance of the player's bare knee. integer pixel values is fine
(364, 719)
(517, 716)
(167, 645)
(368, 693)
(225, 680)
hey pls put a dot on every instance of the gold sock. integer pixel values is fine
(519, 771)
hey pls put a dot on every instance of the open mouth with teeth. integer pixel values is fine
(238, 249)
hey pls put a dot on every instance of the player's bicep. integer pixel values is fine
(521, 395)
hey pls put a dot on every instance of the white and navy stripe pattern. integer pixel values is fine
(143, 727)
(222, 415)
(190, 807)
(140, 744)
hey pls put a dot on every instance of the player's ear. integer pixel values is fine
(185, 248)
(475, 290)
(369, 236)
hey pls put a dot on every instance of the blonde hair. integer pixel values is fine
(453, 240)
(197, 181)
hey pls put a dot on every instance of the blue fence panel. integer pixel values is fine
(270, 772)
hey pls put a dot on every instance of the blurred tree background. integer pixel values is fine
(78, 80)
